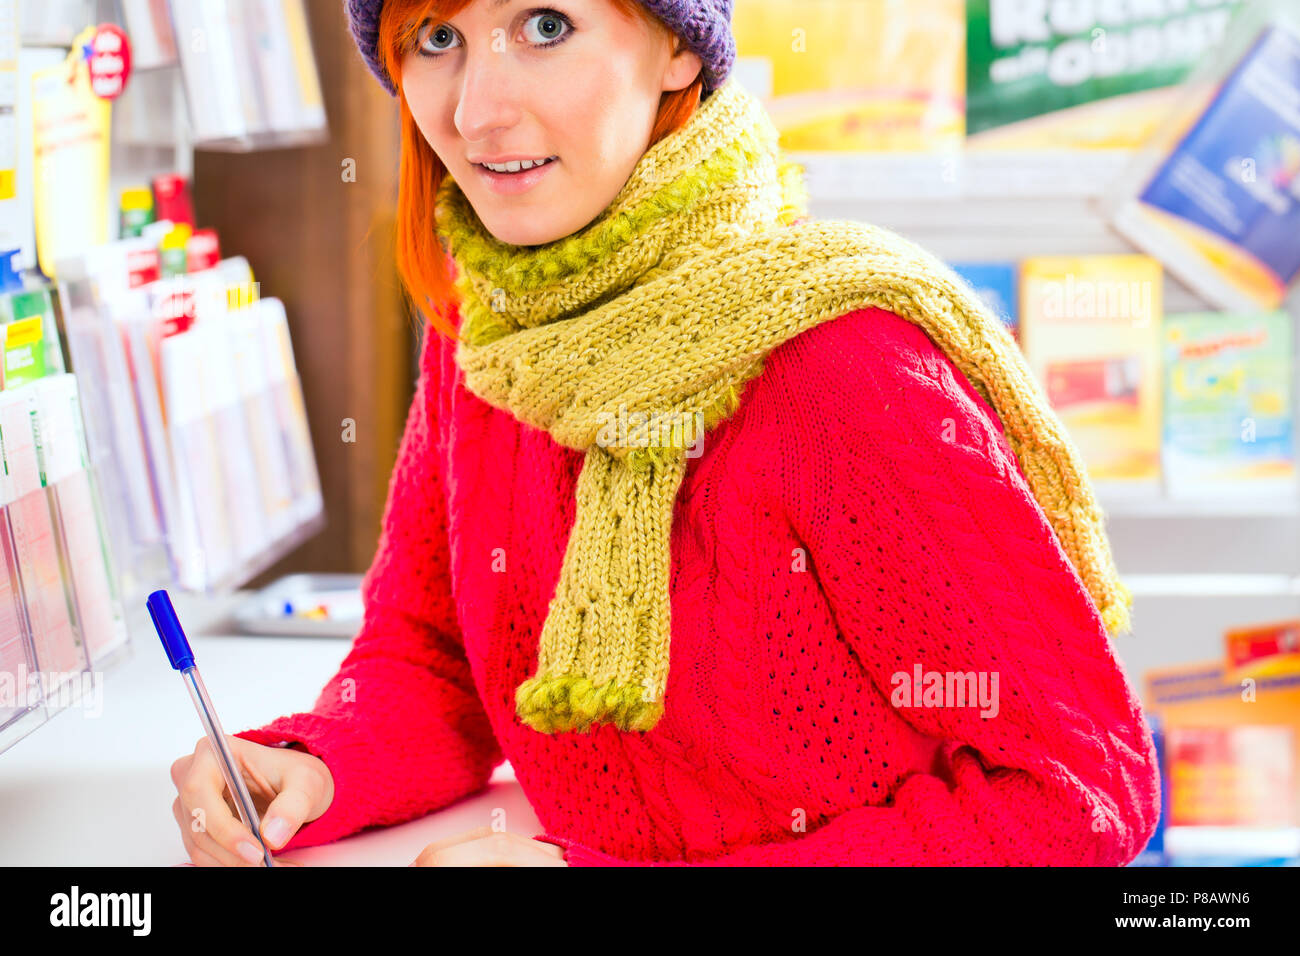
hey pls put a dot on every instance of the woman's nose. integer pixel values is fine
(489, 98)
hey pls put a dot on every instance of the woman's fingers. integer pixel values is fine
(551, 848)
(289, 787)
(214, 829)
(476, 834)
(291, 808)
(304, 790)
(484, 847)
(427, 855)
(496, 850)
(197, 856)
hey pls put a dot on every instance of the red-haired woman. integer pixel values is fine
(746, 538)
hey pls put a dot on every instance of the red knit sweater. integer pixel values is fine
(860, 517)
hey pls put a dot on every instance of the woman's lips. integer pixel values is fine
(511, 184)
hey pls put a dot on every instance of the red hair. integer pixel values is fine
(421, 262)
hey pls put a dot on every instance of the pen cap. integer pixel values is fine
(169, 630)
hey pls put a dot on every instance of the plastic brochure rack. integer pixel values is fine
(199, 420)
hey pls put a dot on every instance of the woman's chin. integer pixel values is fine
(529, 234)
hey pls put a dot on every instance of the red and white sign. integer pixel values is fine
(109, 61)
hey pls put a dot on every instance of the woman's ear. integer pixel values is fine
(683, 68)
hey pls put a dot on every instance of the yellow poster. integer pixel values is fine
(1215, 702)
(70, 142)
(1090, 331)
(855, 76)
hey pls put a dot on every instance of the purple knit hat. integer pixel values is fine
(703, 25)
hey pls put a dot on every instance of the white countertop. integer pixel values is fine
(84, 790)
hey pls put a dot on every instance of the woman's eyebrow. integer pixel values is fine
(498, 4)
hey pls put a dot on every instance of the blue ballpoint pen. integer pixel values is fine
(181, 657)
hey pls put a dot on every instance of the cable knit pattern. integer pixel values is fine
(860, 514)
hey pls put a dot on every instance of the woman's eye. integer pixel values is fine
(432, 36)
(550, 27)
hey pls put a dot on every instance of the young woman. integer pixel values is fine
(746, 538)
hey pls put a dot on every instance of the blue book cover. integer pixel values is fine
(996, 284)
(1229, 193)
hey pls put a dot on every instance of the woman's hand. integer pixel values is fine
(289, 787)
(488, 847)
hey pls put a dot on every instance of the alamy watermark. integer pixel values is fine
(129, 910)
(1087, 299)
(54, 689)
(652, 430)
(922, 688)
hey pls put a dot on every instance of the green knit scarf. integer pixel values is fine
(662, 308)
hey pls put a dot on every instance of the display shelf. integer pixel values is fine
(1212, 586)
(963, 175)
(152, 134)
(1207, 508)
(1259, 842)
(240, 576)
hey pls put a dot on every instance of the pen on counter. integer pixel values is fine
(181, 657)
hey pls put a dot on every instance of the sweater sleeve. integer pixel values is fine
(400, 726)
(933, 553)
